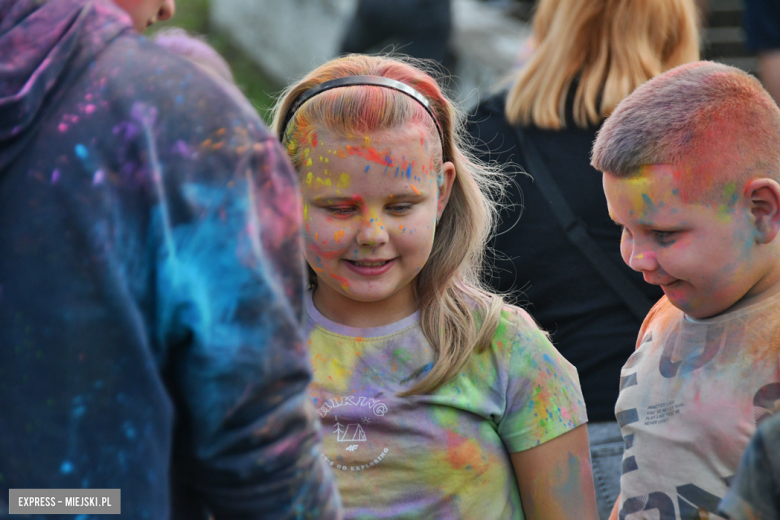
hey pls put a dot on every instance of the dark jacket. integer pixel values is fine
(589, 323)
(151, 279)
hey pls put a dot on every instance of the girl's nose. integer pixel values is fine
(167, 10)
(372, 233)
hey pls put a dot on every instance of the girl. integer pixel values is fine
(438, 401)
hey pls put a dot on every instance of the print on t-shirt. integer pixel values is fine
(690, 398)
(357, 414)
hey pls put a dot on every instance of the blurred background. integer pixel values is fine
(270, 43)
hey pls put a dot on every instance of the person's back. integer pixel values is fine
(150, 281)
(691, 162)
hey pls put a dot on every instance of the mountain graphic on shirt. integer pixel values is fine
(353, 433)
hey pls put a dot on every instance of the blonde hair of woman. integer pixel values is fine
(610, 46)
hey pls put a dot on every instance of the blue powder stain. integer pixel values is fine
(368, 168)
(396, 171)
(547, 358)
(81, 151)
(179, 99)
(649, 202)
(409, 172)
(66, 468)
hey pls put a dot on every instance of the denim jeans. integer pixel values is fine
(606, 453)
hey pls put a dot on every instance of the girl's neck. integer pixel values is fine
(341, 309)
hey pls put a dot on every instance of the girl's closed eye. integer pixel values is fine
(341, 211)
(400, 208)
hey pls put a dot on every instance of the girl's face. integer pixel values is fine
(370, 209)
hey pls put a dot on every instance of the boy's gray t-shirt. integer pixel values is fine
(691, 397)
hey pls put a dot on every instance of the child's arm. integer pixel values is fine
(556, 479)
(615, 510)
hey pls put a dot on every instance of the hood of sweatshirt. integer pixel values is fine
(45, 44)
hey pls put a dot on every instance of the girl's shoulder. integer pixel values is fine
(516, 325)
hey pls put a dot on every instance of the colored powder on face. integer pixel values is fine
(343, 281)
(343, 181)
(309, 178)
(414, 188)
(368, 168)
(371, 155)
(338, 235)
(649, 206)
(409, 172)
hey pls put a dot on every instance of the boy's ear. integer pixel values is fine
(765, 207)
(445, 187)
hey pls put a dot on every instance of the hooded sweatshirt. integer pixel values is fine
(151, 280)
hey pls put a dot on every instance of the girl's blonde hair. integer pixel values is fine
(459, 314)
(612, 46)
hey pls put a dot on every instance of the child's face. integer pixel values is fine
(370, 208)
(146, 12)
(703, 257)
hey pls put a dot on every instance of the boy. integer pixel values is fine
(691, 162)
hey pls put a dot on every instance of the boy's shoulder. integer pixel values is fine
(134, 69)
(661, 316)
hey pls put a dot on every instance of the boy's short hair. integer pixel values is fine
(715, 123)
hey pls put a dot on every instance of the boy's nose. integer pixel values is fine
(642, 260)
(167, 10)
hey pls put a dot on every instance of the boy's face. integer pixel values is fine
(703, 256)
(146, 12)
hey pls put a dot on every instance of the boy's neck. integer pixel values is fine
(363, 315)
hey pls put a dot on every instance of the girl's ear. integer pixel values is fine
(765, 207)
(446, 180)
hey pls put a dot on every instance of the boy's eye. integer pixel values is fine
(663, 237)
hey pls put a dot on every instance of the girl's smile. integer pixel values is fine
(370, 211)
